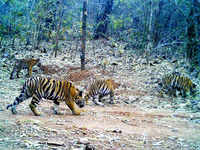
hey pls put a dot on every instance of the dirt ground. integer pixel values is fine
(138, 120)
(109, 127)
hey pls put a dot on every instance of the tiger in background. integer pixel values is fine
(48, 88)
(99, 89)
(27, 63)
(171, 83)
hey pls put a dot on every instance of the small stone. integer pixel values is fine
(174, 130)
(127, 102)
(198, 105)
(158, 143)
(89, 147)
(55, 142)
(173, 138)
(117, 131)
(83, 141)
(181, 140)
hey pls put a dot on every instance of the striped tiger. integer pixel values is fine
(48, 88)
(171, 83)
(24, 64)
(99, 89)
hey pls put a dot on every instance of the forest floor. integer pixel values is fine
(139, 119)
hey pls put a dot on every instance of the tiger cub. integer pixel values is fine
(24, 64)
(174, 82)
(55, 90)
(99, 89)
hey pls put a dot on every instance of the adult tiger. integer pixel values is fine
(41, 87)
(100, 88)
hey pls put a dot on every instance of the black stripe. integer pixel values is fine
(52, 91)
(35, 100)
(42, 81)
(62, 93)
(44, 86)
(47, 90)
(59, 88)
(37, 93)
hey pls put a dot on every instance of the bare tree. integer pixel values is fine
(84, 17)
(192, 51)
(59, 20)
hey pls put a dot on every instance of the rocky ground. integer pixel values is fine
(139, 119)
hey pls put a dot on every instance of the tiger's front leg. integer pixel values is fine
(35, 101)
(74, 108)
(30, 71)
(56, 108)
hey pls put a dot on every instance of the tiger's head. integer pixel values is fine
(193, 88)
(37, 61)
(77, 96)
(79, 99)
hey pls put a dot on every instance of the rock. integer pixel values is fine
(117, 131)
(32, 121)
(83, 141)
(158, 143)
(89, 147)
(173, 138)
(198, 105)
(55, 142)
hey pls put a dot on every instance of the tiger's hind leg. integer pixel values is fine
(23, 96)
(17, 74)
(16, 102)
(94, 99)
(35, 101)
(111, 97)
(56, 108)
(12, 75)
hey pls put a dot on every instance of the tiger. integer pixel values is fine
(171, 83)
(27, 63)
(52, 89)
(100, 88)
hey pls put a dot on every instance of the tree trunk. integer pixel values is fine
(103, 20)
(192, 44)
(157, 29)
(59, 21)
(149, 32)
(84, 17)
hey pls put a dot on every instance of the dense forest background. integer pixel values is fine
(152, 28)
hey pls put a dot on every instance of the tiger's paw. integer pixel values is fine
(111, 102)
(58, 113)
(83, 110)
(33, 109)
(8, 106)
(77, 112)
(14, 111)
(36, 113)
